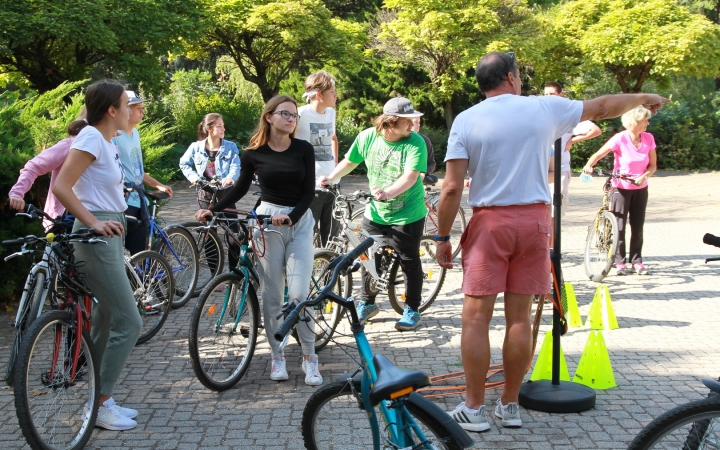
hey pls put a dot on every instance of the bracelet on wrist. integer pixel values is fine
(441, 238)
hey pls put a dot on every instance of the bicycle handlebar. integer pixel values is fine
(341, 264)
(709, 239)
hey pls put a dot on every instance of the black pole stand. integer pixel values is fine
(556, 396)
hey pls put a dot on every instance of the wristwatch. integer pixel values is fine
(440, 238)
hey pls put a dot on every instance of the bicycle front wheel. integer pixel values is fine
(334, 419)
(56, 410)
(223, 332)
(182, 255)
(600, 247)
(457, 230)
(211, 257)
(433, 278)
(151, 281)
(327, 313)
(28, 312)
(692, 426)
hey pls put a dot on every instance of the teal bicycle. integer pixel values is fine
(377, 406)
(225, 323)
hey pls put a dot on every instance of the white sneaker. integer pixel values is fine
(110, 418)
(278, 372)
(510, 414)
(469, 419)
(127, 412)
(312, 373)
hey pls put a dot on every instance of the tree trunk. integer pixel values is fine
(449, 117)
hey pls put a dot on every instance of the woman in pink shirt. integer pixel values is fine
(635, 155)
(48, 161)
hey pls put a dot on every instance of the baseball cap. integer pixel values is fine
(401, 107)
(134, 98)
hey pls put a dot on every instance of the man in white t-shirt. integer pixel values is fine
(317, 126)
(583, 131)
(502, 143)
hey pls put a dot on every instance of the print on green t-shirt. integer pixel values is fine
(386, 162)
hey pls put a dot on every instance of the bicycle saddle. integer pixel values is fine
(712, 385)
(391, 378)
(430, 180)
(156, 195)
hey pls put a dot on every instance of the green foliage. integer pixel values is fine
(269, 39)
(47, 42)
(159, 158)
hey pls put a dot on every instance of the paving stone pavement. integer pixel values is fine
(667, 340)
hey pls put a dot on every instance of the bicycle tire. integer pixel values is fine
(327, 313)
(211, 256)
(216, 349)
(601, 245)
(358, 214)
(343, 430)
(433, 278)
(38, 419)
(152, 284)
(457, 230)
(183, 243)
(31, 309)
(681, 426)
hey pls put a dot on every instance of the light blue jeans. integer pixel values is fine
(288, 256)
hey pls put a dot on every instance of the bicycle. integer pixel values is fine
(225, 323)
(377, 391)
(57, 386)
(602, 240)
(692, 426)
(389, 277)
(178, 246)
(432, 198)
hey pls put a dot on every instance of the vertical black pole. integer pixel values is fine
(555, 261)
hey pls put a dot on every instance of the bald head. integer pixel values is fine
(493, 68)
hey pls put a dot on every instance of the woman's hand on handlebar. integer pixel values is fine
(227, 181)
(639, 181)
(281, 219)
(203, 214)
(166, 189)
(108, 228)
(17, 203)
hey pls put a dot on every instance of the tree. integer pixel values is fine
(446, 37)
(637, 41)
(269, 39)
(45, 42)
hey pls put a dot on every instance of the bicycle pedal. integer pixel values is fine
(245, 332)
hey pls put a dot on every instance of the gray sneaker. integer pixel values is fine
(470, 421)
(510, 414)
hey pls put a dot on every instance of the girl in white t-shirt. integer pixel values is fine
(90, 185)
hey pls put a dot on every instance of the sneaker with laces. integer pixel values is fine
(366, 311)
(470, 420)
(278, 371)
(640, 269)
(621, 270)
(409, 320)
(126, 412)
(312, 373)
(111, 418)
(510, 414)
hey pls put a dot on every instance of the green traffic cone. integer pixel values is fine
(543, 365)
(594, 369)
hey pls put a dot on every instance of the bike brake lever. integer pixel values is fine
(94, 241)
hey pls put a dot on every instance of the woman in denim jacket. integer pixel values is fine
(213, 156)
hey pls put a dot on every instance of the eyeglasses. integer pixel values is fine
(287, 115)
(512, 56)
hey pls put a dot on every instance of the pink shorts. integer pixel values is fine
(506, 249)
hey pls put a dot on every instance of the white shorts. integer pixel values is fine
(565, 180)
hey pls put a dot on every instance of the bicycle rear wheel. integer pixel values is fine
(182, 255)
(27, 314)
(223, 332)
(692, 426)
(211, 256)
(601, 245)
(152, 284)
(52, 407)
(433, 278)
(334, 419)
(327, 313)
(457, 230)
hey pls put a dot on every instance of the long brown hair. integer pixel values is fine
(99, 97)
(261, 135)
(383, 122)
(207, 123)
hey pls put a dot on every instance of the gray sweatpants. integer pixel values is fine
(116, 322)
(288, 255)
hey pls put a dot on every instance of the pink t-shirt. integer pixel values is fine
(631, 160)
